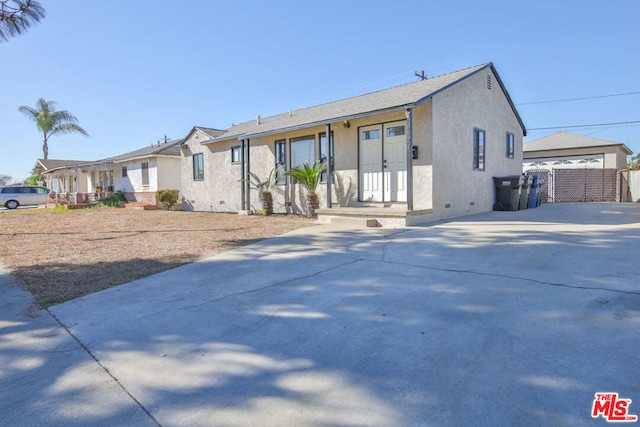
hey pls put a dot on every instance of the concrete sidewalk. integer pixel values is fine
(504, 318)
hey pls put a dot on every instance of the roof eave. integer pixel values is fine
(316, 123)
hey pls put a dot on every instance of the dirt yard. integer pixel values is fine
(61, 255)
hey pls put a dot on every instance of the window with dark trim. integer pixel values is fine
(302, 151)
(198, 167)
(281, 159)
(478, 149)
(145, 174)
(510, 145)
(236, 154)
(124, 171)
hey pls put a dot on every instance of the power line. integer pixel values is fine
(584, 126)
(579, 99)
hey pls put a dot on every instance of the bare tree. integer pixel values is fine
(5, 180)
(17, 16)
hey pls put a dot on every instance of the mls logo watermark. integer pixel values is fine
(612, 408)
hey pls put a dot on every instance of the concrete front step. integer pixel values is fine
(355, 221)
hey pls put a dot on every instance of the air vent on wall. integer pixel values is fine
(489, 81)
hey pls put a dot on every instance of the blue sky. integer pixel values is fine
(135, 71)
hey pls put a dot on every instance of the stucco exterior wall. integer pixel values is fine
(133, 181)
(168, 173)
(423, 165)
(458, 189)
(219, 191)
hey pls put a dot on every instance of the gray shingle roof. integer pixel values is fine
(53, 164)
(170, 148)
(43, 166)
(565, 140)
(213, 133)
(395, 98)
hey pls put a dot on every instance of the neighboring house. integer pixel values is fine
(577, 168)
(57, 175)
(570, 151)
(139, 174)
(460, 130)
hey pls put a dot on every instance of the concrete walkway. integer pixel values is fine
(499, 319)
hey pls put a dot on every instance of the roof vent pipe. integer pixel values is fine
(258, 119)
(290, 112)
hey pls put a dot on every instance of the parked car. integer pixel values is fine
(12, 197)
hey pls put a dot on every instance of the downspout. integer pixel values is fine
(248, 190)
(242, 176)
(409, 159)
(329, 161)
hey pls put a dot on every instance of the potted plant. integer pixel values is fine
(308, 176)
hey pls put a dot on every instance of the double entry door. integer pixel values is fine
(383, 162)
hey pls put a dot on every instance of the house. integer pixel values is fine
(569, 151)
(64, 182)
(410, 154)
(577, 168)
(139, 174)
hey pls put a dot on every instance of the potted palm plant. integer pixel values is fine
(308, 176)
(265, 187)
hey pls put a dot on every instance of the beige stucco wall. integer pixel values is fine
(219, 191)
(458, 189)
(423, 165)
(168, 173)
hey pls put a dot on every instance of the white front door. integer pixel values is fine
(383, 163)
(395, 162)
(371, 164)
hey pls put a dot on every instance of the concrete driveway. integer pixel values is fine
(499, 319)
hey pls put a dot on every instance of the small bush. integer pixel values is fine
(113, 201)
(168, 198)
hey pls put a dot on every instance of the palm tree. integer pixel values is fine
(16, 16)
(51, 122)
(308, 176)
(265, 187)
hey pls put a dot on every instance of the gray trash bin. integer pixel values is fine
(534, 192)
(524, 193)
(507, 192)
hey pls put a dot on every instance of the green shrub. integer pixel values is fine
(168, 198)
(113, 201)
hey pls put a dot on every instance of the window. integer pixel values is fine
(371, 134)
(478, 149)
(124, 171)
(145, 174)
(236, 154)
(302, 151)
(510, 145)
(281, 159)
(322, 146)
(395, 131)
(198, 167)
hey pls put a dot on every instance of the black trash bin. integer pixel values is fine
(507, 192)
